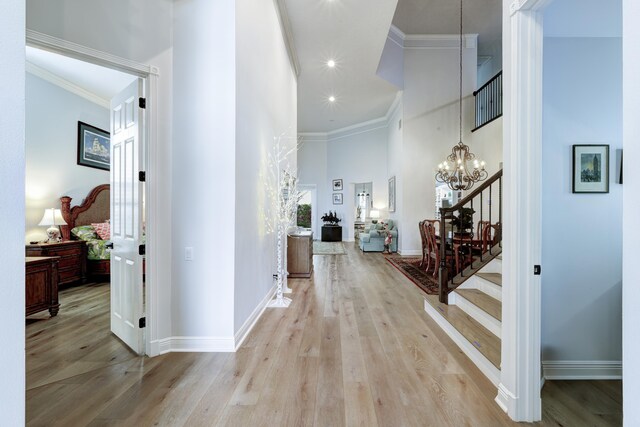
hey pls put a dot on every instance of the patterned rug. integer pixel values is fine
(328, 248)
(410, 267)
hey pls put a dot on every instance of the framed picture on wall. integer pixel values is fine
(94, 147)
(590, 168)
(337, 198)
(392, 194)
(337, 185)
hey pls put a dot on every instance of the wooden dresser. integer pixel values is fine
(72, 267)
(41, 285)
(300, 254)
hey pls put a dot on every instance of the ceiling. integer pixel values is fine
(353, 33)
(101, 81)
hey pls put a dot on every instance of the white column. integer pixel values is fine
(12, 290)
(519, 390)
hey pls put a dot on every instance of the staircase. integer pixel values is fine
(472, 317)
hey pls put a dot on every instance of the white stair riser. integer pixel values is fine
(495, 266)
(489, 288)
(485, 366)
(479, 315)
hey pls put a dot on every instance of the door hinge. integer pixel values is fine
(537, 270)
(142, 322)
(142, 249)
(142, 176)
(142, 102)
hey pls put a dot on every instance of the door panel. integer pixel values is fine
(126, 214)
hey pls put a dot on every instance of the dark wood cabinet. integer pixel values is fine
(300, 254)
(72, 267)
(41, 285)
(331, 233)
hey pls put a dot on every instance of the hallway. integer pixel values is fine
(354, 348)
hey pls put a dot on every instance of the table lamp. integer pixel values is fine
(374, 214)
(53, 218)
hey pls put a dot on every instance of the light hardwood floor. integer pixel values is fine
(355, 348)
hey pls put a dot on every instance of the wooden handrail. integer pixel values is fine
(466, 199)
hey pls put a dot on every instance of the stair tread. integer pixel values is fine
(482, 339)
(495, 278)
(483, 301)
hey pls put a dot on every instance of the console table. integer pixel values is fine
(41, 285)
(331, 233)
(300, 254)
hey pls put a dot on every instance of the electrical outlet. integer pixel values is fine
(188, 253)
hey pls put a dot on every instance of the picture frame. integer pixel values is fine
(337, 185)
(337, 198)
(392, 194)
(590, 168)
(94, 147)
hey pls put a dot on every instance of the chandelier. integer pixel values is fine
(455, 170)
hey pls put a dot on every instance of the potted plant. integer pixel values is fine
(463, 222)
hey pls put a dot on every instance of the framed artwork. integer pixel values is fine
(337, 185)
(392, 194)
(590, 168)
(337, 198)
(94, 147)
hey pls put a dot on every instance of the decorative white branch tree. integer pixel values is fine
(283, 196)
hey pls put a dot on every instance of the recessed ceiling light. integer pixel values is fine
(332, 98)
(331, 63)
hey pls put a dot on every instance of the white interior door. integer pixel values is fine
(126, 212)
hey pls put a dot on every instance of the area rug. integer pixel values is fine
(328, 248)
(410, 267)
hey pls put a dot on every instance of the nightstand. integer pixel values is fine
(72, 266)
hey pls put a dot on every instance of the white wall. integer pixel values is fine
(52, 171)
(355, 156)
(204, 161)
(395, 132)
(631, 194)
(12, 110)
(581, 233)
(431, 128)
(140, 31)
(266, 104)
(312, 170)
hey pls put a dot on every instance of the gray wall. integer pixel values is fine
(52, 142)
(582, 233)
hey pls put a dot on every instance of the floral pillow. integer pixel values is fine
(85, 232)
(103, 230)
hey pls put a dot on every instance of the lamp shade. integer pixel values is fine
(374, 214)
(52, 216)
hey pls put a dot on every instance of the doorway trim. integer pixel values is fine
(521, 376)
(150, 75)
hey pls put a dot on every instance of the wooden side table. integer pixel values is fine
(41, 285)
(300, 254)
(72, 267)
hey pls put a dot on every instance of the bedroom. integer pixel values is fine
(68, 102)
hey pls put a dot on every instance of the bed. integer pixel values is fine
(95, 209)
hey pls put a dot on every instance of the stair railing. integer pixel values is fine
(473, 229)
(488, 100)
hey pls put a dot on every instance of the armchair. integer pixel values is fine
(372, 239)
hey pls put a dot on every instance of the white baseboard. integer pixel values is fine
(199, 344)
(582, 369)
(248, 325)
(410, 252)
(485, 366)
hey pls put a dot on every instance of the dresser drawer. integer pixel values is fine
(70, 261)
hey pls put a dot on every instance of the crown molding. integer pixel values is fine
(430, 41)
(287, 34)
(358, 128)
(66, 85)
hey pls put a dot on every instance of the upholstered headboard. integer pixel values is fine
(94, 208)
